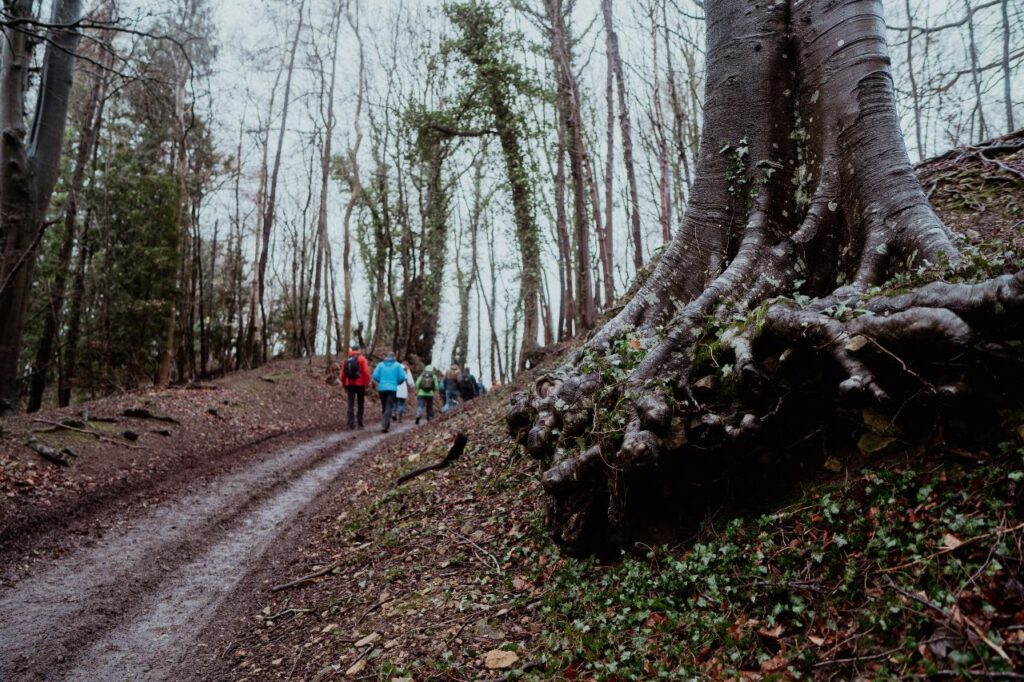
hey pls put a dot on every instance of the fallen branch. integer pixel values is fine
(57, 457)
(287, 611)
(454, 453)
(143, 413)
(461, 538)
(98, 436)
(304, 579)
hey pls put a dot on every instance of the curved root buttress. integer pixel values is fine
(803, 189)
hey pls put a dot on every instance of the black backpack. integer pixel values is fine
(352, 368)
(467, 387)
(427, 381)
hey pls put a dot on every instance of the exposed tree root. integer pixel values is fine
(641, 460)
(803, 188)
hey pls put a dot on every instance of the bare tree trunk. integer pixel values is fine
(490, 304)
(664, 190)
(271, 204)
(567, 301)
(571, 120)
(1007, 74)
(177, 313)
(972, 48)
(29, 166)
(609, 181)
(69, 368)
(346, 255)
(325, 173)
(626, 131)
(914, 95)
(467, 281)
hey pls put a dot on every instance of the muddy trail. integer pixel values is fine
(132, 605)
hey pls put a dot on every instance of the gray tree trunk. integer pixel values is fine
(29, 166)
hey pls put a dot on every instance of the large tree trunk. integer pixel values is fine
(803, 183)
(29, 166)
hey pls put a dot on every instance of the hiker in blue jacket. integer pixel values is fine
(387, 376)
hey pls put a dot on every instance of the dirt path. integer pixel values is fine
(132, 605)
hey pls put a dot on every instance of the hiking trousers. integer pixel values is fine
(451, 399)
(387, 406)
(425, 404)
(356, 403)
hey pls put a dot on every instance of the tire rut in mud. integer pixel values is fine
(130, 606)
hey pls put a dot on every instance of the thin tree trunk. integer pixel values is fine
(626, 131)
(664, 197)
(1007, 74)
(69, 368)
(571, 120)
(325, 172)
(914, 95)
(271, 205)
(609, 181)
(972, 48)
(567, 301)
(346, 256)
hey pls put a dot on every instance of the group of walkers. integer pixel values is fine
(395, 383)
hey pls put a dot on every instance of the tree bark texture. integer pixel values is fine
(29, 166)
(763, 315)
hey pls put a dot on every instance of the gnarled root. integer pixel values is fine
(642, 460)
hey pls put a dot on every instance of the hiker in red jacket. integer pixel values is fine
(355, 377)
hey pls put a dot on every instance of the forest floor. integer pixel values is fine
(161, 562)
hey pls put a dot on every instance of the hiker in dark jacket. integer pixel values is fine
(355, 377)
(467, 385)
(451, 388)
(388, 375)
